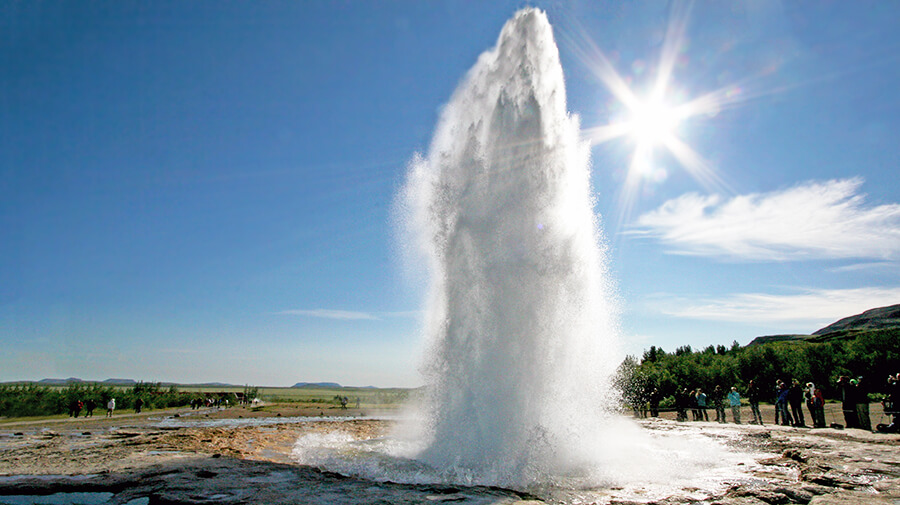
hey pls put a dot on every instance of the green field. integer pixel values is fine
(368, 397)
(31, 399)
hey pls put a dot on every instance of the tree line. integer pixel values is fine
(872, 355)
(22, 400)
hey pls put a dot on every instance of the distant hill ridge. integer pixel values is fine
(324, 385)
(123, 382)
(132, 382)
(872, 319)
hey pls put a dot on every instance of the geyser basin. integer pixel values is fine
(520, 320)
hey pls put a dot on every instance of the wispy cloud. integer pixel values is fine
(346, 315)
(814, 220)
(887, 266)
(809, 306)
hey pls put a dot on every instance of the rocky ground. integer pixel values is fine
(155, 459)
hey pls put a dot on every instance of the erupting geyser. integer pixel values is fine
(520, 321)
(519, 318)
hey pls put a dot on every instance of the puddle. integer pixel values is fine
(61, 499)
(67, 499)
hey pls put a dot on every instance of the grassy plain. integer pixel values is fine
(368, 397)
(54, 400)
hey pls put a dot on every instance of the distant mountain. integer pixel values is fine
(316, 385)
(873, 319)
(766, 339)
(59, 382)
(120, 382)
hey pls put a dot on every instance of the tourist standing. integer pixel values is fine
(138, 403)
(892, 406)
(695, 410)
(702, 405)
(781, 403)
(681, 405)
(809, 396)
(89, 407)
(820, 403)
(848, 402)
(862, 404)
(110, 407)
(73, 408)
(815, 401)
(654, 403)
(734, 400)
(753, 395)
(795, 398)
(718, 400)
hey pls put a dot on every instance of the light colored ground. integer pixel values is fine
(161, 458)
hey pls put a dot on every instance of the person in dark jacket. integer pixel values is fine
(754, 395)
(654, 402)
(848, 401)
(781, 403)
(718, 401)
(862, 404)
(681, 405)
(795, 398)
(892, 406)
(692, 399)
(89, 407)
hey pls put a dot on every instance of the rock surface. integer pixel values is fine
(159, 461)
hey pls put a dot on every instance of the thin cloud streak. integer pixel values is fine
(344, 315)
(814, 220)
(349, 315)
(887, 266)
(811, 306)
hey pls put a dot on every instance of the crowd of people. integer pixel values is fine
(789, 398)
(88, 406)
(210, 402)
(698, 403)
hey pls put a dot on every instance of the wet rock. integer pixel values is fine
(796, 495)
(815, 490)
(851, 498)
(795, 454)
(766, 496)
(888, 485)
(739, 500)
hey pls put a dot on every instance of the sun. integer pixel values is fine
(652, 123)
(656, 122)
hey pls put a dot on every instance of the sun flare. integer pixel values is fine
(652, 123)
(656, 123)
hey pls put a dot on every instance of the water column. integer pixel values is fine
(519, 321)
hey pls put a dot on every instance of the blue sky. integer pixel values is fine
(202, 191)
